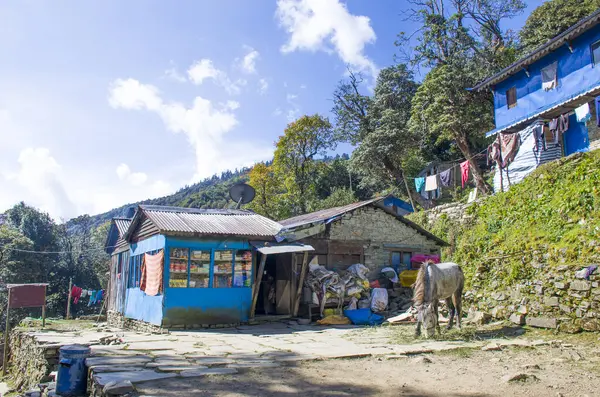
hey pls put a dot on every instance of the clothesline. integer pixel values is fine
(56, 252)
(455, 165)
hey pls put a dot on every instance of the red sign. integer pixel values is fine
(26, 295)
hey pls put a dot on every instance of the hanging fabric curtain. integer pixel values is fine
(464, 172)
(153, 279)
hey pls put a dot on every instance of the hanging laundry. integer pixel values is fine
(154, 273)
(549, 77)
(540, 141)
(76, 294)
(464, 172)
(92, 298)
(494, 153)
(446, 177)
(472, 196)
(553, 126)
(419, 184)
(99, 296)
(597, 101)
(143, 276)
(431, 183)
(509, 146)
(582, 113)
(84, 293)
(563, 123)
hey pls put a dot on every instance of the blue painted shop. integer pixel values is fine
(189, 267)
(549, 99)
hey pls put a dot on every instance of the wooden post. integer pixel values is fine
(409, 195)
(69, 298)
(257, 281)
(300, 283)
(6, 332)
(101, 308)
(44, 309)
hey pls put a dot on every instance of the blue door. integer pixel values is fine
(576, 138)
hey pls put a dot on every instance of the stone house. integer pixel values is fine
(367, 232)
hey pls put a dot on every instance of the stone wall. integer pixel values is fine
(377, 229)
(118, 320)
(454, 211)
(557, 299)
(30, 361)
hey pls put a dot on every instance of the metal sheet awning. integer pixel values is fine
(271, 249)
(551, 111)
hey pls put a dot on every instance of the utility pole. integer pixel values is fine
(69, 299)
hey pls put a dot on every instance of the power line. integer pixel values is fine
(56, 252)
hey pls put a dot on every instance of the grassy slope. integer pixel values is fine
(551, 217)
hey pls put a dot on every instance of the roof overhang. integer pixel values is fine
(562, 39)
(550, 112)
(272, 249)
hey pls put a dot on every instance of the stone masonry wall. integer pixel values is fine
(376, 228)
(30, 362)
(116, 319)
(556, 299)
(454, 211)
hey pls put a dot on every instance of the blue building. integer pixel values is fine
(559, 79)
(208, 262)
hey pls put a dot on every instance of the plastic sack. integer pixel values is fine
(359, 269)
(390, 274)
(334, 320)
(363, 317)
(379, 300)
(353, 304)
(364, 304)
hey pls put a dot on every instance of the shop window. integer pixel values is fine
(242, 270)
(223, 269)
(199, 269)
(511, 97)
(596, 53)
(135, 271)
(400, 260)
(178, 267)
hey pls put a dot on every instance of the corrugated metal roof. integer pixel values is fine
(324, 215)
(196, 221)
(332, 213)
(122, 225)
(574, 31)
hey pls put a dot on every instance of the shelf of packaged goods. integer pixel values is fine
(178, 259)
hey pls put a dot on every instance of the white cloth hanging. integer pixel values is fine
(583, 113)
(431, 183)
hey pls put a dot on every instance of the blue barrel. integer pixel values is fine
(72, 371)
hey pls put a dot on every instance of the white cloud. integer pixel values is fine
(303, 87)
(291, 97)
(277, 112)
(204, 125)
(248, 63)
(174, 75)
(204, 69)
(38, 179)
(263, 86)
(135, 178)
(318, 25)
(293, 111)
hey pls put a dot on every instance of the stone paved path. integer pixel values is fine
(145, 357)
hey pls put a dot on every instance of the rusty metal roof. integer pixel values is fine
(574, 31)
(122, 225)
(196, 221)
(324, 215)
(333, 214)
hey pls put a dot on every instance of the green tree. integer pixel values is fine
(551, 19)
(268, 186)
(337, 198)
(378, 126)
(442, 110)
(295, 160)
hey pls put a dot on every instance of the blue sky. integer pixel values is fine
(107, 103)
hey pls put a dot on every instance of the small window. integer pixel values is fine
(223, 270)
(178, 267)
(549, 77)
(596, 53)
(243, 269)
(400, 261)
(199, 269)
(511, 97)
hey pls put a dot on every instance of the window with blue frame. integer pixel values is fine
(191, 268)
(400, 260)
(596, 53)
(135, 271)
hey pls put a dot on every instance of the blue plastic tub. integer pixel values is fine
(364, 317)
(72, 371)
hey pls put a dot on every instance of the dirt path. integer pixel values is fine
(559, 372)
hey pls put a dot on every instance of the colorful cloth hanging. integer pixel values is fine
(582, 113)
(431, 183)
(464, 172)
(76, 294)
(509, 144)
(153, 265)
(419, 184)
(446, 177)
(92, 298)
